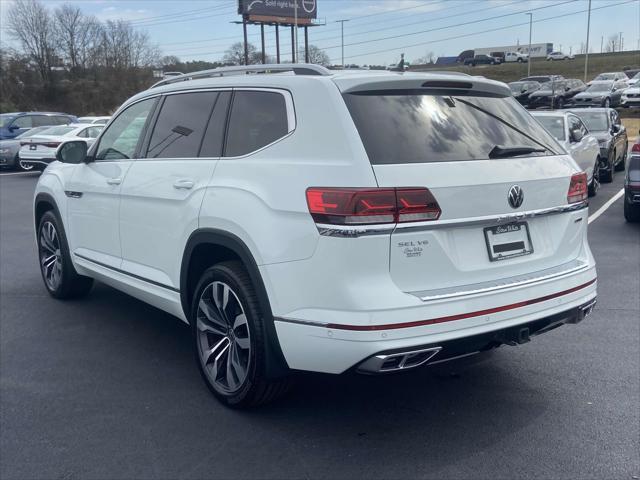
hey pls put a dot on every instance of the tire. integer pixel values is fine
(595, 179)
(606, 175)
(22, 167)
(631, 212)
(233, 329)
(520, 60)
(606, 103)
(620, 166)
(559, 103)
(58, 273)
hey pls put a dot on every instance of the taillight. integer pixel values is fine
(370, 206)
(636, 147)
(578, 188)
(50, 144)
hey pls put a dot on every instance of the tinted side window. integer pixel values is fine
(121, 138)
(62, 120)
(93, 132)
(214, 136)
(44, 120)
(180, 126)
(23, 122)
(257, 119)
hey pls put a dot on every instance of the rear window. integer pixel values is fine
(406, 127)
(634, 169)
(553, 125)
(58, 130)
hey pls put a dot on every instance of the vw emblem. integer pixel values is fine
(516, 196)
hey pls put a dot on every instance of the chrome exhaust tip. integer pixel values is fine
(587, 308)
(393, 362)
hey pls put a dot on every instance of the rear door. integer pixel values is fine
(443, 142)
(162, 192)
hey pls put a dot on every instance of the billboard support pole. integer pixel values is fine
(529, 59)
(293, 45)
(246, 45)
(277, 44)
(264, 57)
(306, 44)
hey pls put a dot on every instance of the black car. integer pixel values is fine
(522, 90)
(600, 94)
(556, 94)
(482, 60)
(542, 78)
(605, 125)
(632, 185)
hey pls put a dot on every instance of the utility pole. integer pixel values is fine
(341, 22)
(620, 43)
(530, 30)
(602, 44)
(295, 14)
(586, 56)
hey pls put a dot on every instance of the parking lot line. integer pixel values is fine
(603, 208)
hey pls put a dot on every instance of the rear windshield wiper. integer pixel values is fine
(504, 152)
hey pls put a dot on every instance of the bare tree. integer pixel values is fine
(612, 44)
(235, 54)
(78, 36)
(430, 57)
(31, 24)
(316, 55)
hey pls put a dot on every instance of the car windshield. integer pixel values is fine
(5, 120)
(408, 126)
(553, 125)
(517, 87)
(600, 87)
(63, 130)
(595, 121)
(606, 76)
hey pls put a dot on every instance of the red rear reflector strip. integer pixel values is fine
(578, 188)
(460, 316)
(636, 147)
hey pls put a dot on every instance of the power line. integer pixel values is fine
(174, 15)
(485, 31)
(172, 22)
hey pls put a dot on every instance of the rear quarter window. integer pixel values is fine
(413, 127)
(256, 120)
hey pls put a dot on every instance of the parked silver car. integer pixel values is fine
(573, 135)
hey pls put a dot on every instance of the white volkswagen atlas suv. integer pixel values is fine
(303, 219)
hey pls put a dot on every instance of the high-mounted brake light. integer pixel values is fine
(578, 188)
(371, 206)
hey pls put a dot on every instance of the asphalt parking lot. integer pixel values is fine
(106, 387)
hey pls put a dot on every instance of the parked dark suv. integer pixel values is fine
(14, 124)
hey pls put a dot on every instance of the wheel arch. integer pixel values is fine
(219, 245)
(42, 204)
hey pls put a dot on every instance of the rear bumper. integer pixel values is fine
(466, 325)
(396, 360)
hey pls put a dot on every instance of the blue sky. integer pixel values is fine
(202, 29)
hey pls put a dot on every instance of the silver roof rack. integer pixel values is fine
(297, 68)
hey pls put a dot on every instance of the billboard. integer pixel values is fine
(537, 49)
(306, 9)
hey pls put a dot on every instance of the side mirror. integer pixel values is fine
(74, 152)
(13, 128)
(574, 136)
(615, 128)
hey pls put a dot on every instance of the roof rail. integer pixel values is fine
(297, 68)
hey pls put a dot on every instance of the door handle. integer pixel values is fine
(114, 181)
(183, 183)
